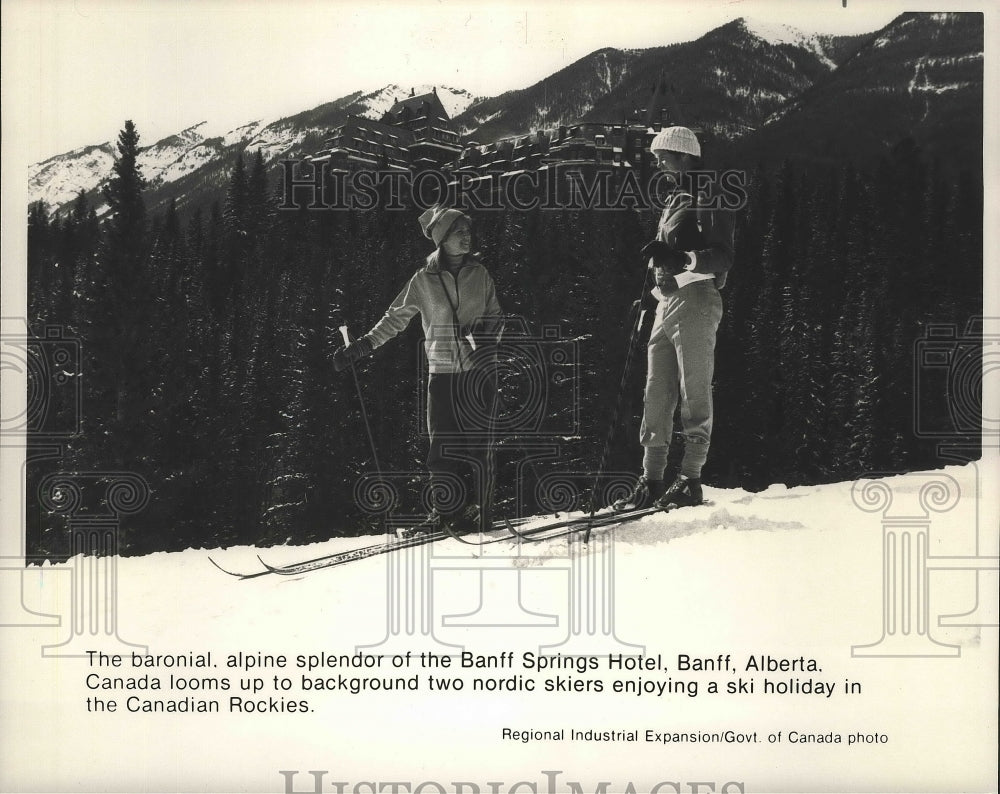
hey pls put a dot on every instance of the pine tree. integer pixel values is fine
(127, 217)
(768, 383)
(39, 266)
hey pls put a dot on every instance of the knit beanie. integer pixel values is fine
(437, 222)
(676, 139)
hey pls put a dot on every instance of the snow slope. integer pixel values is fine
(59, 179)
(454, 100)
(777, 34)
(782, 574)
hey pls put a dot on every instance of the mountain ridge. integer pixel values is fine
(765, 90)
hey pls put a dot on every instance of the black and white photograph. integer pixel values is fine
(499, 397)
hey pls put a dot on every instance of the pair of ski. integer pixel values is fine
(546, 531)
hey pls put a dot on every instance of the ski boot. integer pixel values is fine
(644, 494)
(685, 492)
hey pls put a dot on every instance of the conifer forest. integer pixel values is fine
(206, 339)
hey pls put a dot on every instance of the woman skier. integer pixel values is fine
(456, 299)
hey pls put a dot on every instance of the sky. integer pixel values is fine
(81, 68)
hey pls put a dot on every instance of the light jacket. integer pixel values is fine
(711, 246)
(472, 296)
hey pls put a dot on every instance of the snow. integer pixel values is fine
(277, 139)
(945, 87)
(604, 71)
(191, 160)
(786, 572)
(57, 180)
(174, 156)
(454, 100)
(777, 34)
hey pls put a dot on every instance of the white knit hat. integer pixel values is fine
(676, 139)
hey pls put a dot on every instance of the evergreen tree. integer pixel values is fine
(39, 265)
(123, 354)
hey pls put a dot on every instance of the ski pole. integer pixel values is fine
(633, 335)
(361, 402)
(486, 516)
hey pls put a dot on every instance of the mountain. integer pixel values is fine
(761, 92)
(920, 77)
(727, 82)
(192, 166)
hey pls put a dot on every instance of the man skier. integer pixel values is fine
(456, 299)
(690, 257)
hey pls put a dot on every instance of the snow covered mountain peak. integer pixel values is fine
(778, 34)
(196, 133)
(455, 100)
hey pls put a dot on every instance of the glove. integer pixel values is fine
(357, 350)
(665, 256)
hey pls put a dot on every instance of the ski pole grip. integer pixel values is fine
(345, 335)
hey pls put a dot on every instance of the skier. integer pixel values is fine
(456, 299)
(690, 257)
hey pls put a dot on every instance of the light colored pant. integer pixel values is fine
(681, 362)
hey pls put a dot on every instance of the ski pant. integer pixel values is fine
(681, 363)
(460, 410)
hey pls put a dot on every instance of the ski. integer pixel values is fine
(597, 519)
(604, 518)
(333, 560)
(571, 525)
(339, 558)
(546, 531)
(238, 574)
